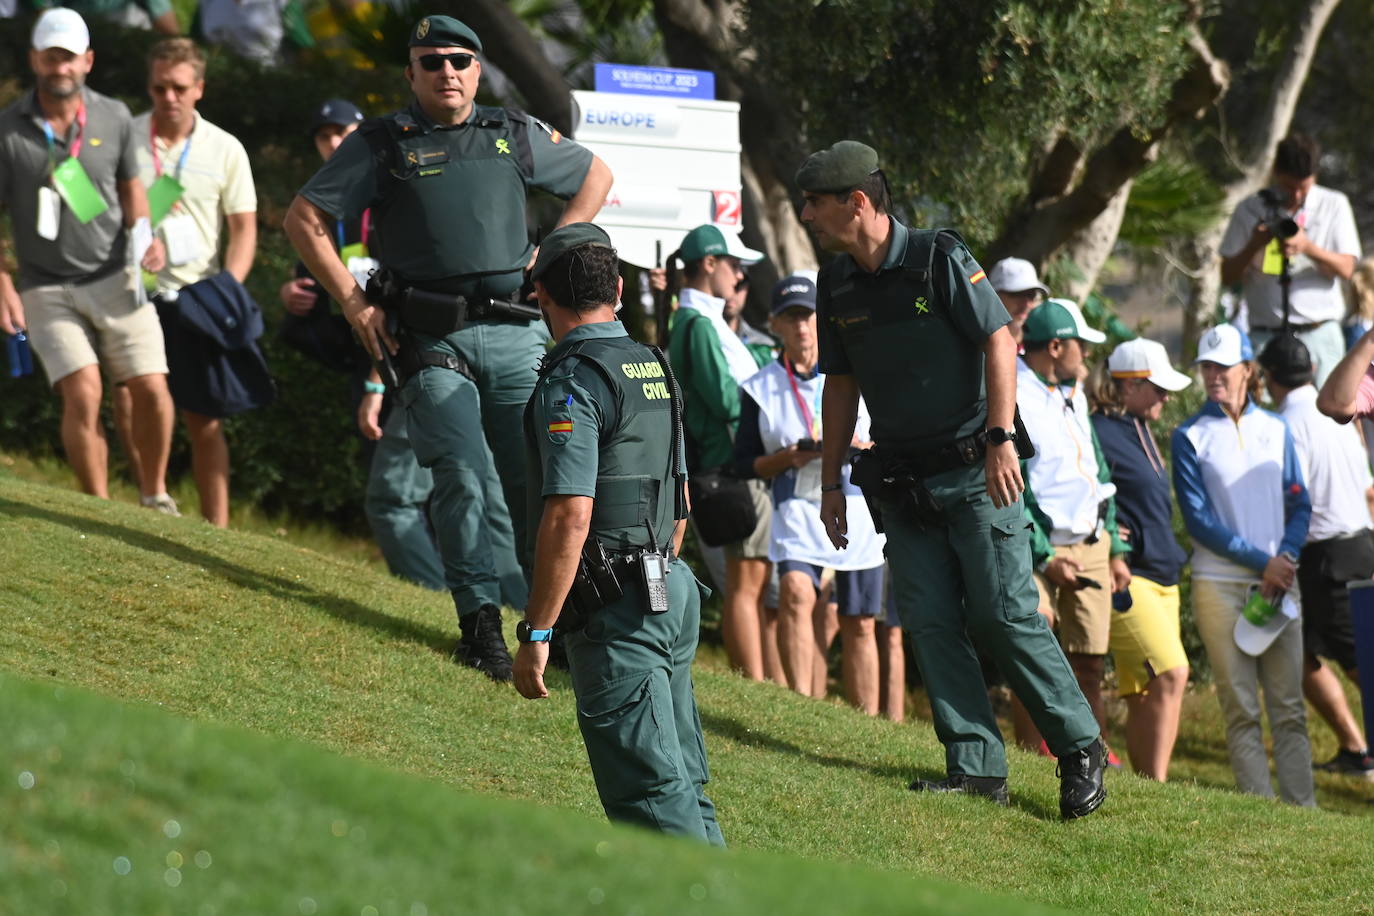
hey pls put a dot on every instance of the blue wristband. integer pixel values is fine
(374, 387)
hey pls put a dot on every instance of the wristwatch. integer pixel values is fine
(526, 633)
(997, 435)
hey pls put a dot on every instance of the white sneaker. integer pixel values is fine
(162, 502)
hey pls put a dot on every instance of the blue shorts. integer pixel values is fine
(858, 592)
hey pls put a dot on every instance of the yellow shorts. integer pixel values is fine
(1083, 616)
(1145, 639)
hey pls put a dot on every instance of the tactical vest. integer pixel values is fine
(634, 480)
(451, 203)
(897, 329)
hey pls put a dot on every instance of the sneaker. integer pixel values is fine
(1082, 790)
(1349, 763)
(162, 502)
(483, 645)
(989, 787)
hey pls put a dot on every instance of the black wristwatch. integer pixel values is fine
(526, 633)
(997, 435)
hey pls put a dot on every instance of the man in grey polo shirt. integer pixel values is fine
(69, 179)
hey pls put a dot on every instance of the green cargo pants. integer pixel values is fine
(397, 506)
(452, 421)
(632, 676)
(969, 581)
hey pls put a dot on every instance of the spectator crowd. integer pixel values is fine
(1271, 479)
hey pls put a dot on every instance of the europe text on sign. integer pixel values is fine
(629, 80)
(676, 163)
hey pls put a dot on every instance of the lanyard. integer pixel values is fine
(185, 151)
(339, 229)
(807, 416)
(1147, 442)
(76, 144)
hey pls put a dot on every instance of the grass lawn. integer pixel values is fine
(249, 631)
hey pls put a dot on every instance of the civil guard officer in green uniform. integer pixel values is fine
(607, 499)
(906, 318)
(446, 182)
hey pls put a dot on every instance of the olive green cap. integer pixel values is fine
(564, 239)
(841, 168)
(443, 32)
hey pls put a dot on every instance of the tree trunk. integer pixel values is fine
(1089, 248)
(1255, 131)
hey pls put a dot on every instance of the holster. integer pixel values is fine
(893, 480)
(438, 314)
(595, 585)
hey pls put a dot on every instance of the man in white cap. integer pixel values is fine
(79, 218)
(1076, 547)
(1018, 286)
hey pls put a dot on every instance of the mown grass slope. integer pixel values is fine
(241, 629)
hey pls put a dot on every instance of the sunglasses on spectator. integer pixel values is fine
(435, 62)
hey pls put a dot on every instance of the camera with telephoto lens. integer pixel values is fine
(1282, 225)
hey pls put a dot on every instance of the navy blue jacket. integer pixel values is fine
(1143, 498)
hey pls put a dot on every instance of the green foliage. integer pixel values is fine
(962, 99)
(1172, 199)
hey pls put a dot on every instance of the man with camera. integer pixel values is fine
(446, 182)
(1289, 246)
(908, 319)
(603, 440)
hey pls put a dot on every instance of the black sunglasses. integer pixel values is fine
(435, 62)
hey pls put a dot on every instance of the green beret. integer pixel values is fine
(564, 239)
(843, 167)
(443, 32)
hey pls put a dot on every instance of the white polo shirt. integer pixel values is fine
(1063, 475)
(1334, 466)
(1329, 222)
(218, 182)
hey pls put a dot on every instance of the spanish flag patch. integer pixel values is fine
(560, 426)
(977, 278)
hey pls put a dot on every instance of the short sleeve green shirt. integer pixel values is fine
(457, 209)
(913, 342)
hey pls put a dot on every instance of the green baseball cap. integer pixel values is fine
(842, 167)
(443, 32)
(564, 239)
(709, 239)
(1058, 319)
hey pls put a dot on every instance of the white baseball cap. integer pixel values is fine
(1014, 275)
(1253, 640)
(63, 28)
(1141, 358)
(1225, 345)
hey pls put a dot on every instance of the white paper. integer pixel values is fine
(360, 268)
(181, 238)
(809, 481)
(49, 213)
(140, 239)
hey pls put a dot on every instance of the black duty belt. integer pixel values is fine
(962, 453)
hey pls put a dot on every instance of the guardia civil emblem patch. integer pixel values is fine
(422, 29)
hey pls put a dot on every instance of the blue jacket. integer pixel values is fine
(1144, 502)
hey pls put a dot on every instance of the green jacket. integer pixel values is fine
(710, 394)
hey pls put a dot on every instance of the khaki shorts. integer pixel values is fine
(755, 546)
(1145, 639)
(1084, 616)
(104, 322)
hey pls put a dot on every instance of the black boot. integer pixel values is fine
(991, 787)
(1081, 786)
(483, 646)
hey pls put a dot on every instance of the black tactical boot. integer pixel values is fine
(483, 646)
(992, 787)
(1081, 786)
